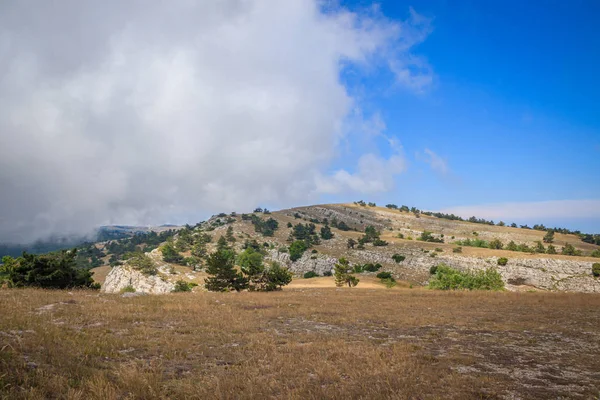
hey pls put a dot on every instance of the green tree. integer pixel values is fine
(549, 236)
(343, 274)
(512, 246)
(171, 255)
(351, 243)
(371, 234)
(569, 250)
(229, 235)
(223, 275)
(326, 233)
(278, 276)
(251, 262)
(56, 270)
(495, 244)
(297, 248)
(551, 249)
(539, 247)
(596, 269)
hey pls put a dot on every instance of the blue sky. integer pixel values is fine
(513, 111)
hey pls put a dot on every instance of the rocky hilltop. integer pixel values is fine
(400, 230)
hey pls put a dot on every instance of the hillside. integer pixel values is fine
(524, 270)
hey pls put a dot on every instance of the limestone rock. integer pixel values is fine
(123, 276)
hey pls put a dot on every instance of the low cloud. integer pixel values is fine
(148, 112)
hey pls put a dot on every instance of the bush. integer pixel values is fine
(183, 286)
(433, 269)
(310, 274)
(372, 267)
(502, 261)
(314, 251)
(595, 253)
(379, 242)
(569, 250)
(596, 269)
(457, 249)
(398, 258)
(384, 275)
(438, 250)
(283, 249)
(128, 289)
(142, 263)
(428, 237)
(389, 282)
(171, 255)
(51, 271)
(447, 278)
(328, 273)
(297, 249)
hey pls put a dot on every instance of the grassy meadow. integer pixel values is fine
(300, 343)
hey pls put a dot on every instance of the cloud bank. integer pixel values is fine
(146, 112)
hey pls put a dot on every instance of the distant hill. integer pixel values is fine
(102, 234)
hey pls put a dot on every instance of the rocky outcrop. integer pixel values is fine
(541, 273)
(320, 263)
(123, 276)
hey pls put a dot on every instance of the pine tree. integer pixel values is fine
(326, 233)
(171, 255)
(229, 235)
(223, 275)
(549, 237)
(342, 273)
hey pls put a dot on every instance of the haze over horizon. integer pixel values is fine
(136, 113)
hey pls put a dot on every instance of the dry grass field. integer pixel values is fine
(301, 343)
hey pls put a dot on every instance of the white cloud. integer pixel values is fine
(539, 210)
(437, 163)
(146, 112)
(373, 174)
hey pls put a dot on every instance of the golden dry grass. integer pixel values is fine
(309, 343)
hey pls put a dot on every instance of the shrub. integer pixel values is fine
(400, 236)
(379, 242)
(595, 253)
(496, 244)
(52, 271)
(447, 278)
(310, 274)
(438, 250)
(297, 248)
(183, 286)
(171, 255)
(314, 251)
(389, 282)
(596, 269)
(128, 289)
(384, 275)
(328, 273)
(569, 250)
(142, 263)
(502, 261)
(372, 267)
(433, 269)
(283, 249)
(343, 275)
(457, 249)
(398, 258)
(428, 237)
